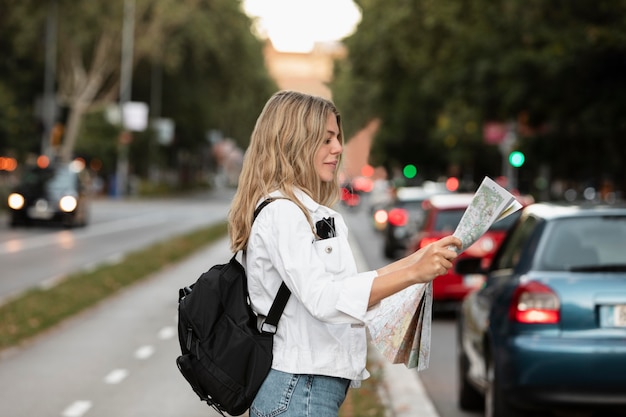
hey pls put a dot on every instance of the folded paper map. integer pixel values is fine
(401, 328)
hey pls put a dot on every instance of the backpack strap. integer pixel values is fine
(261, 206)
(271, 321)
(276, 310)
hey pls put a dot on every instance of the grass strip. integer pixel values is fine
(40, 309)
(365, 401)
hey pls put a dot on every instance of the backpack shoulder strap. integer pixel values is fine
(261, 206)
(271, 321)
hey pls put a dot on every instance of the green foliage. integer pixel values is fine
(214, 75)
(21, 77)
(552, 67)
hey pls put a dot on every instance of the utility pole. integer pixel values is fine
(126, 80)
(506, 146)
(49, 100)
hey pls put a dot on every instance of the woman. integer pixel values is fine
(320, 347)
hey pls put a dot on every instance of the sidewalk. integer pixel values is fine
(402, 388)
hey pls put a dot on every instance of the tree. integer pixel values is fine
(213, 69)
(550, 66)
(90, 49)
(21, 79)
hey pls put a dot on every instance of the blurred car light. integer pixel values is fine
(398, 217)
(68, 203)
(16, 201)
(381, 216)
(427, 241)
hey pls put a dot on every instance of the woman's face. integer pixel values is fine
(327, 156)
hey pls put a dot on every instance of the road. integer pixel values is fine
(118, 358)
(116, 227)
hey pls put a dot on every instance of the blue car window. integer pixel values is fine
(514, 244)
(585, 242)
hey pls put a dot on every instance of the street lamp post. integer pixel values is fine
(49, 102)
(126, 79)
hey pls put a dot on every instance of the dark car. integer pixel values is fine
(442, 216)
(404, 216)
(547, 331)
(55, 194)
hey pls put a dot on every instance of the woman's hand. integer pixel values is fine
(419, 267)
(434, 259)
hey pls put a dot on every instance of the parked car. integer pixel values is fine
(442, 215)
(55, 194)
(547, 331)
(403, 217)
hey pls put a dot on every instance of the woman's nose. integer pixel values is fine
(337, 148)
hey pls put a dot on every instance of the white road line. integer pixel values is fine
(77, 409)
(144, 352)
(54, 280)
(116, 376)
(34, 242)
(51, 282)
(167, 333)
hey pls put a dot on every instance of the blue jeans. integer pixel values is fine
(293, 395)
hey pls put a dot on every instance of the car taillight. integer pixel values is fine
(398, 217)
(535, 303)
(427, 241)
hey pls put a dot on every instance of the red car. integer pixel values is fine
(443, 214)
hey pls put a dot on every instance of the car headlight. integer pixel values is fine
(16, 201)
(68, 203)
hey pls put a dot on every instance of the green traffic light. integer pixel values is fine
(410, 171)
(516, 159)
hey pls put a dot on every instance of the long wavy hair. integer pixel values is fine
(287, 135)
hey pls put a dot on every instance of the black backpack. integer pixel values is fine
(224, 357)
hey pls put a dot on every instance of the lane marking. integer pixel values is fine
(144, 352)
(66, 237)
(77, 409)
(116, 376)
(54, 280)
(48, 283)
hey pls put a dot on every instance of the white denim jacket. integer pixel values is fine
(322, 327)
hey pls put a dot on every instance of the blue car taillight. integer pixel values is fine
(535, 303)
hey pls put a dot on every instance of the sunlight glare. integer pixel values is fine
(296, 25)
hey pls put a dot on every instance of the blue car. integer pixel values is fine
(547, 331)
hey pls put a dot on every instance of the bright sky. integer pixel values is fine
(295, 25)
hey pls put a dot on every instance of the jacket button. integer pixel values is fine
(328, 249)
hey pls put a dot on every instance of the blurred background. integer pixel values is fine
(527, 92)
(132, 117)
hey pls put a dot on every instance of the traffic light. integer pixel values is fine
(516, 159)
(409, 171)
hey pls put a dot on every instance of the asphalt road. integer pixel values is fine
(39, 255)
(117, 359)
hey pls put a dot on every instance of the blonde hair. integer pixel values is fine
(287, 135)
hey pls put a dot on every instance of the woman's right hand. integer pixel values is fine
(419, 267)
(433, 259)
